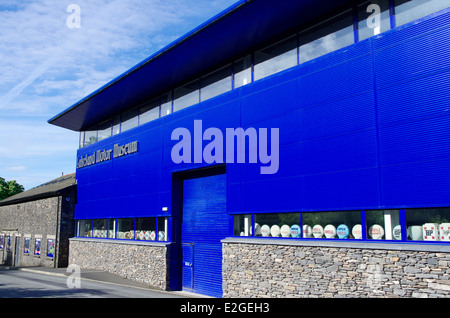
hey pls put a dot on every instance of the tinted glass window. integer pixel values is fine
(149, 112)
(216, 83)
(345, 225)
(326, 37)
(116, 125)
(104, 130)
(163, 229)
(85, 228)
(90, 137)
(185, 96)
(428, 224)
(242, 71)
(125, 229)
(373, 18)
(81, 139)
(383, 225)
(166, 104)
(410, 10)
(129, 120)
(145, 229)
(276, 58)
(275, 224)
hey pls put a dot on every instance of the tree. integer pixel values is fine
(9, 188)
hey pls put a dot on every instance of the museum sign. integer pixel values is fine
(107, 154)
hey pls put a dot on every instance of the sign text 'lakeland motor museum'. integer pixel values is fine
(105, 154)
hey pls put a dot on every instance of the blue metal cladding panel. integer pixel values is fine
(357, 127)
(205, 223)
(425, 97)
(417, 50)
(413, 79)
(127, 186)
(328, 139)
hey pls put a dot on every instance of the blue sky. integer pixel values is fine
(46, 67)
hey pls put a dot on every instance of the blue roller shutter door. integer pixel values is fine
(205, 223)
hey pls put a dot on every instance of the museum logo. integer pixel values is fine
(238, 145)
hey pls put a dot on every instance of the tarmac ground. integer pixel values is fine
(99, 276)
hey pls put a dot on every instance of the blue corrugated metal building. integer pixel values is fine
(294, 120)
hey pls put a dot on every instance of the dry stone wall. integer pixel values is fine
(36, 220)
(142, 262)
(273, 270)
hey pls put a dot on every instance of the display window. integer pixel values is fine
(216, 83)
(410, 10)
(432, 225)
(85, 228)
(242, 225)
(330, 225)
(100, 228)
(146, 229)
(111, 228)
(428, 224)
(125, 229)
(383, 225)
(163, 229)
(142, 229)
(276, 224)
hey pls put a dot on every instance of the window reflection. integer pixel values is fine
(326, 37)
(242, 225)
(373, 18)
(428, 224)
(242, 71)
(343, 225)
(85, 228)
(163, 229)
(100, 228)
(129, 120)
(149, 112)
(276, 58)
(90, 137)
(410, 10)
(125, 229)
(216, 83)
(277, 225)
(166, 104)
(146, 229)
(104, 130)
(81, 139)
(116, 125)
(185, 96)
(112, 228)
(383, 225)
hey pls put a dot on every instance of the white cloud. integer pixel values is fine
(17, 168)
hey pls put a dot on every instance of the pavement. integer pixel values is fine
(99, 276)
